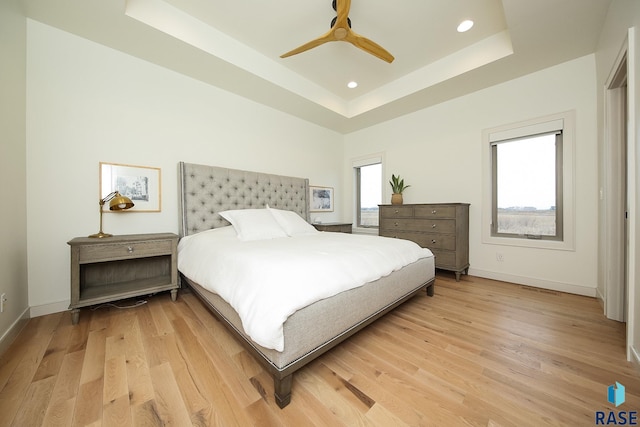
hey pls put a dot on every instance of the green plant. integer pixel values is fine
(397, 184)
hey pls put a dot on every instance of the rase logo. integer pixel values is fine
(615, 396)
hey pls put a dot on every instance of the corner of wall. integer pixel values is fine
(10, 335)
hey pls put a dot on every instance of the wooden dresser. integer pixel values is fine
(442, 227)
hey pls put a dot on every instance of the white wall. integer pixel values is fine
(438, 151)
(87, 103)
(13, 226)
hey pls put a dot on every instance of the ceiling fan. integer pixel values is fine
(341, 31)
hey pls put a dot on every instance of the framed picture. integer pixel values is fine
(139, 183)
(320, 199)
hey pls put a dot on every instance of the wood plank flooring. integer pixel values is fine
(479, 353)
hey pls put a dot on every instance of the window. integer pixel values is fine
(527, 187)
(528, 190)
(368, 177)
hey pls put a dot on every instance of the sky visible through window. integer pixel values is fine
(371, 193)
(527, 173)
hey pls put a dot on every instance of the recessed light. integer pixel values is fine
(352, 85)
(465, 26)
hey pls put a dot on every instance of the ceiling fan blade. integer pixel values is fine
(341, 31)
(327, 37)
(342, 8)
(369, 46)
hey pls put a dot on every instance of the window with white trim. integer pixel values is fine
(529, 186)
(368, 191)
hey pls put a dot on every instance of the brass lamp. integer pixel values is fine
(117, 202)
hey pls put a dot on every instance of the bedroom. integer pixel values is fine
(87, 103)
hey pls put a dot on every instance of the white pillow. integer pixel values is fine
(291, 222)
(254, 224)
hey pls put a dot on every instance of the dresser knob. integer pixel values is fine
(434, 225)
(434, 211)
(433, 241)
(396, 211)
(395, 224)
(130, 249)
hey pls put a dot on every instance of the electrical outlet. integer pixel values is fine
(3, 299)
(499, 257)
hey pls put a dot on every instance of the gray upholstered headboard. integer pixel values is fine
(207, 190)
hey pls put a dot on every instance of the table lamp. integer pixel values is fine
(117, 202)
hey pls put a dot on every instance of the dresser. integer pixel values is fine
(442, 227)
(118, 267)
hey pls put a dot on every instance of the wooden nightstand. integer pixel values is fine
(118, 267)
(336, 227)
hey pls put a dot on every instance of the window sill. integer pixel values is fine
(530, 243)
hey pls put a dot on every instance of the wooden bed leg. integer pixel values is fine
(282, 388)
(431, 289)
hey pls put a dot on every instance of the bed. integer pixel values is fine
(311, 330)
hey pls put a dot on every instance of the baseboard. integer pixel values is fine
(43, 310)
(635, 357)
(600, 299)
(536, 283)
(13, 331)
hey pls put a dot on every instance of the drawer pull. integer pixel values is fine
(395, 224)
(396, 211)
(434, 225)
(130, 249)
(433, 241)
(434, 211)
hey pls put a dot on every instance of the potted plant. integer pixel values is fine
(398, 187)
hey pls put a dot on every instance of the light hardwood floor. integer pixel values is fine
(480, 353)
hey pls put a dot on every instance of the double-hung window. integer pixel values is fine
(529, 171)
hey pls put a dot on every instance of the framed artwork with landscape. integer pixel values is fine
(139, 183)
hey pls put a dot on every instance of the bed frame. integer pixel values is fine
(207, 190)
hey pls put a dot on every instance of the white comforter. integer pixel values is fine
(266, 281)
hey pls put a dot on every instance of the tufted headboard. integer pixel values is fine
(207, 190)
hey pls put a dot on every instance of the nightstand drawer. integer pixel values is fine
(124, 250)
(335, 227)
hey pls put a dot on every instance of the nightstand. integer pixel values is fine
(336, 227)
(119, 267)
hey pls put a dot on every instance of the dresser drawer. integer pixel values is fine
(437, 241)
(435, 211)
(444, 259)
(431, 225)
(426, 240)
(124, 250)
(396, 211)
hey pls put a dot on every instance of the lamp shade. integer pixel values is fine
(120, 202)
(117, 202)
